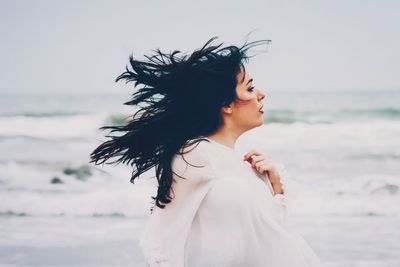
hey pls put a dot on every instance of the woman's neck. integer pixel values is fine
(228, 138)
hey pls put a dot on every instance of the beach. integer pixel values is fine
(341, 151)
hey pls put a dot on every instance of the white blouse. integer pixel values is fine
(224, 214)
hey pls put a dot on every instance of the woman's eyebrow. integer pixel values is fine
(249, 81)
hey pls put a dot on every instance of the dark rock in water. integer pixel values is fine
(392, 188)
(81, 173)
(10, 213)
(56, 180)
(387, 188)
(69, 171)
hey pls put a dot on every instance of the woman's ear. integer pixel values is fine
(227, 109)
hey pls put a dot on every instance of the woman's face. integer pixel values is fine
(246, 111)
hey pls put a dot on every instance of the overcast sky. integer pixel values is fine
(81, 46)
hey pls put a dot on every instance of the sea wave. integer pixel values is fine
(289, 116)
(43, 114)
(390, 113)
(77, 126)
(14, 121)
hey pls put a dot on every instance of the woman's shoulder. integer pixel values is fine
(194, 155)
(196, 149)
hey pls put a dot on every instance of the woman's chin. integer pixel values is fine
(260, 123)
(262, 118)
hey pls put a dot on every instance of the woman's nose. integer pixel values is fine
(261, 95)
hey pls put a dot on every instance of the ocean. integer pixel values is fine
(341, 151)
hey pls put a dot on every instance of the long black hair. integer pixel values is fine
(180, 99)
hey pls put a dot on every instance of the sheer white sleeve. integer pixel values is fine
(165, 234)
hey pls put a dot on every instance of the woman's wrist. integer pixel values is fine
(276, 181)
(277, 187)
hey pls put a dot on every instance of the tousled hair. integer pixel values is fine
(179, 99)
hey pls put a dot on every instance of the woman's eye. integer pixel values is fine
(251, 89)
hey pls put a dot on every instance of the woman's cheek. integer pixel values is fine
(246, 96)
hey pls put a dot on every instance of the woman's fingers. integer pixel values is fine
(254, 153)
(256, 159)
(259, 161)
(263, 166)
(263, 163)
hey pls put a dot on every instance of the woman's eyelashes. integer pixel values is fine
(251, 89)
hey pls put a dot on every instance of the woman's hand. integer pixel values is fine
(263, 163)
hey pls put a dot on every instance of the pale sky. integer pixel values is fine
(82, 46)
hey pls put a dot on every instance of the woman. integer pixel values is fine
(213, 206)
